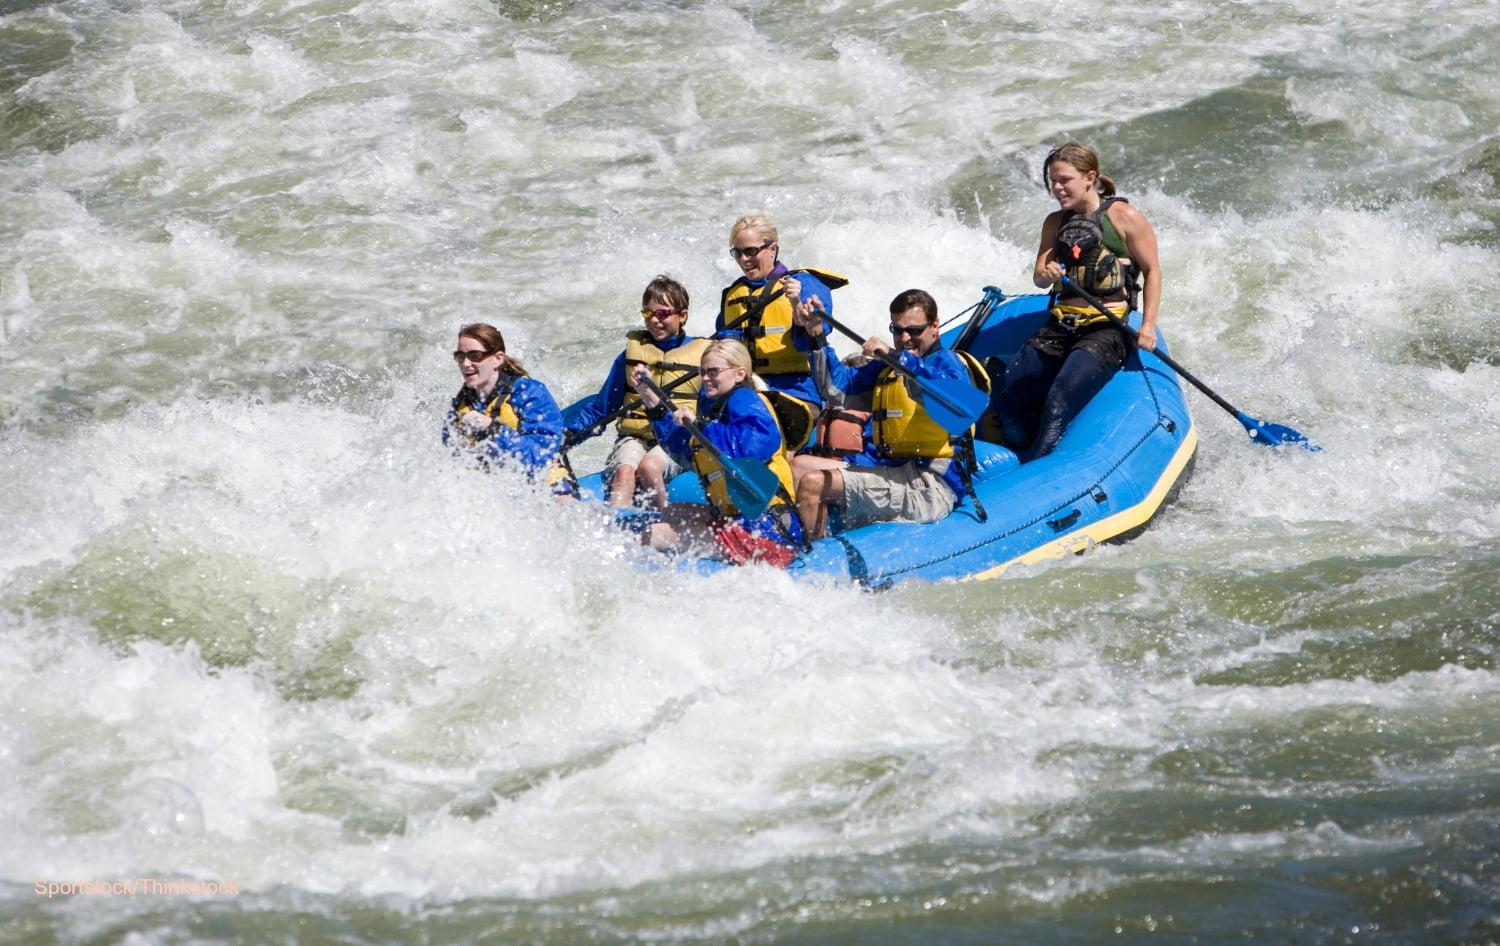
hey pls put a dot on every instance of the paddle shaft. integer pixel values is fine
(992, 299)
(890, 362)
(598, 426)
(755, 492)
(755, 306)
(691, 425)
(1083, 294)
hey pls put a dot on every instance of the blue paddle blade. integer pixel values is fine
(752, 485)
(636, 520)
(1275, 435)
(952, 405)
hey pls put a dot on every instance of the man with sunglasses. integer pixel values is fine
(911, 469)
(759, 308)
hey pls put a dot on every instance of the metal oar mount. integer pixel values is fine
(953, 404)
(983, 309)
(751, 483)
(1271, 435)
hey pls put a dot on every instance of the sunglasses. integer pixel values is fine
(743, 252)
(712, 373)
(475, 357)
(913, 330)
(660, 314)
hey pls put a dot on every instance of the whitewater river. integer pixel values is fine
(275, 669)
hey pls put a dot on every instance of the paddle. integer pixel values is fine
(982, 312)
(1271, 435)
(751, 483)
(598, 426)
(953, 404)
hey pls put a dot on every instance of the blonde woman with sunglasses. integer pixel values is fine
(759, 308)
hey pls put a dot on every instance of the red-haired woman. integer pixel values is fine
(503, 415)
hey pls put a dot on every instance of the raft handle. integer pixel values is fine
(1060, 524)
(1099, 494)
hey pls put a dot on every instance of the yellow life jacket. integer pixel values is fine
(715, 486)
(902, 428)
(765, 316)
(666, 367)
(501, 412)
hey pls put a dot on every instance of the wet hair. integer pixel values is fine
(1081, 158)
(916, 299)
(667, 290)
(490, 337)
(734, 351)
(757, 221)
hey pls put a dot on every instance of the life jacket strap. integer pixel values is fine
(1073, 317)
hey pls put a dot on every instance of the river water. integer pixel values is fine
(258, 631)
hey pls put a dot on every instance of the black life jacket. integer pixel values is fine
(1093, 260)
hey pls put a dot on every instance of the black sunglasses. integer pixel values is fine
(474, 356)
(741, 253)
(913, 330)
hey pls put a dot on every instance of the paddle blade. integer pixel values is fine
(636, 520)
(953, 405)
(1275, 435)
(752, 485)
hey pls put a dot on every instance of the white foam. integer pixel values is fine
(258, 626)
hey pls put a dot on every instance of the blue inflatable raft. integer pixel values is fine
(1119, 462)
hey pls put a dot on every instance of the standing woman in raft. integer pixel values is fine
(501, 415)
(1107, 247)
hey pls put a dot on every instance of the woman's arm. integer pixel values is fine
(1047, 271)
(1140, 243)
(539, 439)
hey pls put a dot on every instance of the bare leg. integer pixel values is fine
(820, 487)
(660, 536)
(806, 462)
(803, 462)
(651, 480)
(622, 486)
(681, 525)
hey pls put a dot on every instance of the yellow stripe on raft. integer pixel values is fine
(1106, 529)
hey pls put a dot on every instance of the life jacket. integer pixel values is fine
(1096, 257)
(765, 316)
(711, 471)
(498, 407)
(666, 367)
(902, 428)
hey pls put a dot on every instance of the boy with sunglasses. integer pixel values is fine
(637, 465)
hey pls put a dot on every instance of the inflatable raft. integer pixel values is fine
(1119, 462)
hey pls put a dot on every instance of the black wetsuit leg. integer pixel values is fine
(1079, 380)
(1018, 402)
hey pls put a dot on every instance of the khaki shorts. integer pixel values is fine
(905, 493)
(630, 451)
